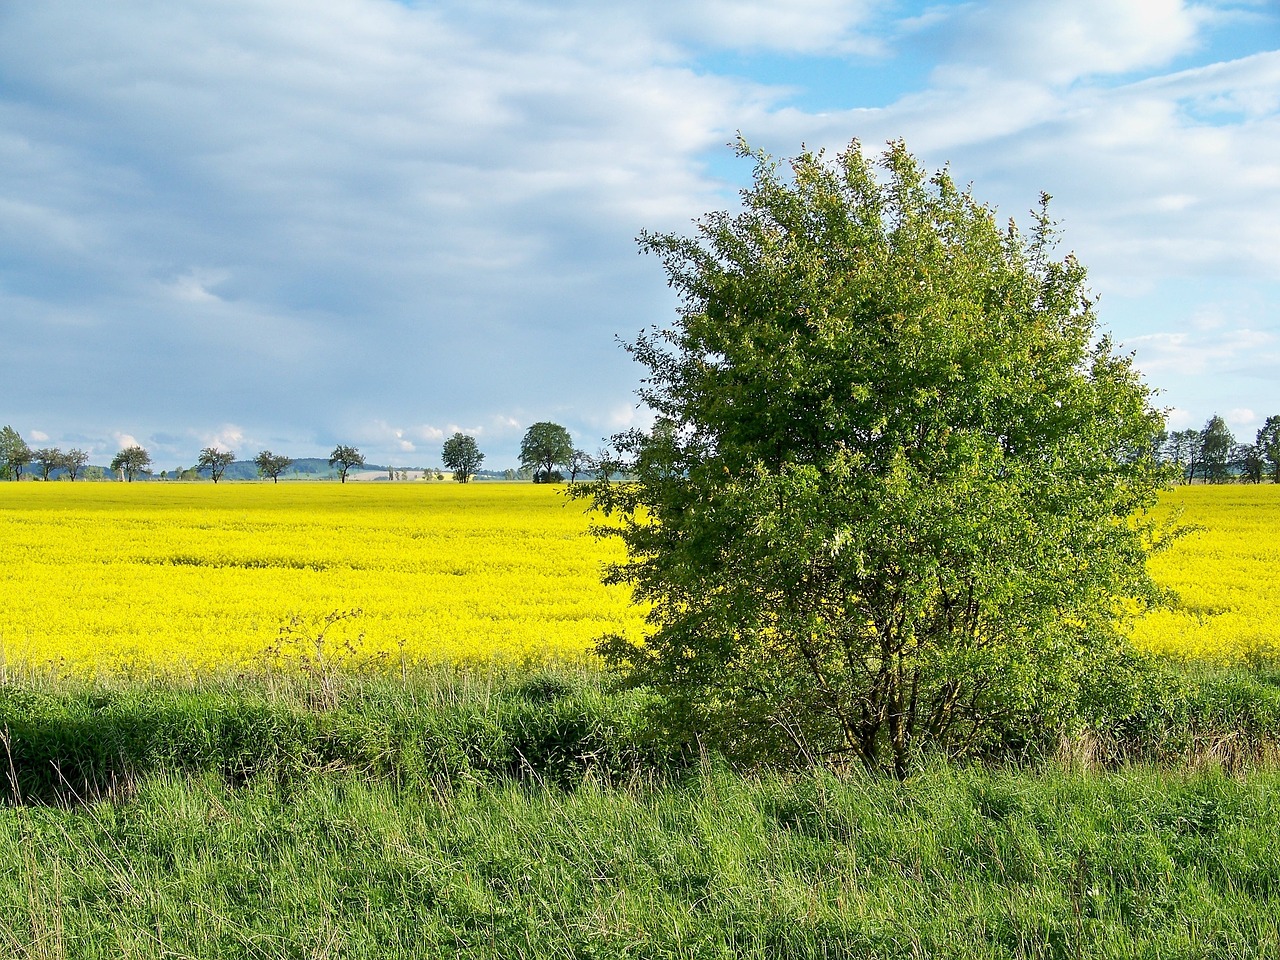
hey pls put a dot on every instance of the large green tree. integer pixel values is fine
(462, 455)
(893, 494)
(545, 446)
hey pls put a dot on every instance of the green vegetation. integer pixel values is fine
(527, 814)
(897, 482)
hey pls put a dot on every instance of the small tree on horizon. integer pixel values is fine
(1216, 443)
(14, 452)
(544, 447)
(345, 458)
(272, 465)
(74, 460)
(131, 461)
(1268, 442)
(462, 455)
(215, 461)
(49, 460)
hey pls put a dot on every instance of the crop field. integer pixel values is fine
(143, 578)
(1225, 573)
(178, 579)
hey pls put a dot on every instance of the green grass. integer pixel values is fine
(950, 863)
(528, 814)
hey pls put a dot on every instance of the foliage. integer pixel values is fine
(497, 817)
(344, 458)
(272, 465)
(893, 493)
(1268, 443)
(1182, 450)
(1216, 443)
(14, 452)
(462, 455)
(73, 461)
(49, 460)
(131, 461)
(544, 447)
(215, 461)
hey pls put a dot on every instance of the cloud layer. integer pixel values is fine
(371, 222)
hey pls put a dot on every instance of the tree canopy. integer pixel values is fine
(544, 447)
(14, 452)
(272, 464)
(215, 461)
(893, 491)
(344, 458)
(131, 461)
(462, 455)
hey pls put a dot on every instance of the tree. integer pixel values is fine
(545, 446)
(344, 458)
(74, 460)
(131, 461)
(49, 459)
(1268, 442)
(1248, 459)
(272, 465)
(579, 462)
(462, 456)
(215, 461)
(1216, 441)
(14, 452)
(890, 497)
(1182, 450)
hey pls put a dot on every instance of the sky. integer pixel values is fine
(289, 224)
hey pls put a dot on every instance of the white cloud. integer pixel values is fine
(1060, 41)
(1242, 417)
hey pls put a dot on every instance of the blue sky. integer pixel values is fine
(288, 224)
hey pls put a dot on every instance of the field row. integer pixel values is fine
(182, 578)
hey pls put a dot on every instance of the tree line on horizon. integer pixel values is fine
(546, 446)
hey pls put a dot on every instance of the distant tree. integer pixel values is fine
(73, 461)
(14, 452)
(215, 461)
(344, 458)
(1182, 450)
(544, 447)
(462, 456)
(1248, 459)
(508, 474)
(131, 461)
(1216, 441)
(1269, 445)
(272, 465)
(49, 459)
(606, 464)
(579, 462)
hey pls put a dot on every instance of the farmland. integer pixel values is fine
(181, 579)
(448, 774)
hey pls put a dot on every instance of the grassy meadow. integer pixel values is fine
(194, 767)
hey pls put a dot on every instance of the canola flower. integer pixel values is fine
(183, 578)
(1224, 574)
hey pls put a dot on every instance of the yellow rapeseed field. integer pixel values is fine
(1226, 574)
(181, 578)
